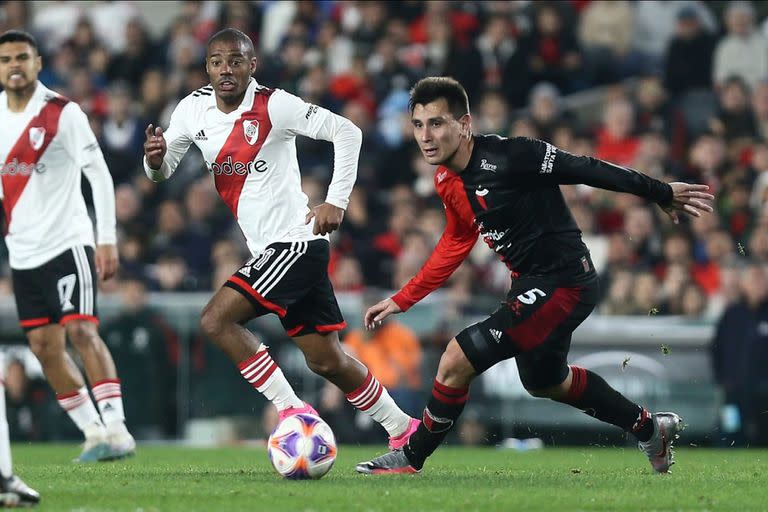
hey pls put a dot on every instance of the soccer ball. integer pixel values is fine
(302, 447)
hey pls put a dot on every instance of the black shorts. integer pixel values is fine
(535, 325)
(58, 291)
(290, 279)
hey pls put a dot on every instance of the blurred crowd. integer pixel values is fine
(675, 89)
(678, 90)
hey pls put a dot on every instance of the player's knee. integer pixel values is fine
(327, 366)
(211, 321)
(454, 369)
(539, 392)
(83, 335)
(44, 348)
(552, 392)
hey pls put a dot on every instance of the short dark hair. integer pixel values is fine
(433, 88)
(233, 35)
(19, 36)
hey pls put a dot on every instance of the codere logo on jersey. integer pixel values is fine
(14, 167)
(228, 167)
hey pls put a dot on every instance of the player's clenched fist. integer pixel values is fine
(154, 146)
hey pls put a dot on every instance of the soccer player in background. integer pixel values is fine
(46, 144)
(507, 191)
(13, 491)
(246, 133)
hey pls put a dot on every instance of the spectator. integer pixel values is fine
(55, 23)
(80, 88)
(388, 73)
(128, 208)
(616, 140)
(552, 50)
(147, 350)
(740, 356)
(758, 245)
(678, 255)
(122, 134)
(546, 111)
(138, 55)
(495, 47)
(643, 236)
(743, 52)
(735, 211)
(658, 115)
(688, 64)
(655, 25)
(605, 34)
(645, 294)
(347, 275)
(15, 14)
(83, 41)
(707, 159)
(28, 401)
(176, 235)
(760, 108)
(734, 121)
(492, 115)
(171, 274)
(693, 301)
(619, 298)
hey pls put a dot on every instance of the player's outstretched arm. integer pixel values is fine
(154, 147)
(379, 312)
(107, 261)
(688, 198)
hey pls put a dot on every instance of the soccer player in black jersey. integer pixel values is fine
(507, 192)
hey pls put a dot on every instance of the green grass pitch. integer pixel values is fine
(167, 478)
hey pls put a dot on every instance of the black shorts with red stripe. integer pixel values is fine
(58, 291)
(290, 279)
(534, 325)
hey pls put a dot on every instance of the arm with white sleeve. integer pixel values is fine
(171, 146)
(82, 146)
(298, 117)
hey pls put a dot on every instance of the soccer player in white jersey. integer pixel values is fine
(246, 133)
(46, 144)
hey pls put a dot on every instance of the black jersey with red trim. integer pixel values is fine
(509, 194)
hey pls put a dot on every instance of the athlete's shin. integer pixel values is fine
(372, 398)
(593, 395)
(261, 371)
(443, 409)
(97, 360)
(80, 408)
(109, 398)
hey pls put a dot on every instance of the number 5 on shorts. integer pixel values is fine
(529, 297)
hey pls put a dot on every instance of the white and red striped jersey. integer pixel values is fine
(251, 154)
(44, 150)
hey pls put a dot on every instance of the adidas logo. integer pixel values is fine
(246, 271)
(496, 335)
(201, 135)
(107, 407)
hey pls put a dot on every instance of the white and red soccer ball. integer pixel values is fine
(302, 447)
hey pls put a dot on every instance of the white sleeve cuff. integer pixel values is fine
(339, 202)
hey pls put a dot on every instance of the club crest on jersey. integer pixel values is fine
(251, 130)
(36, 137)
